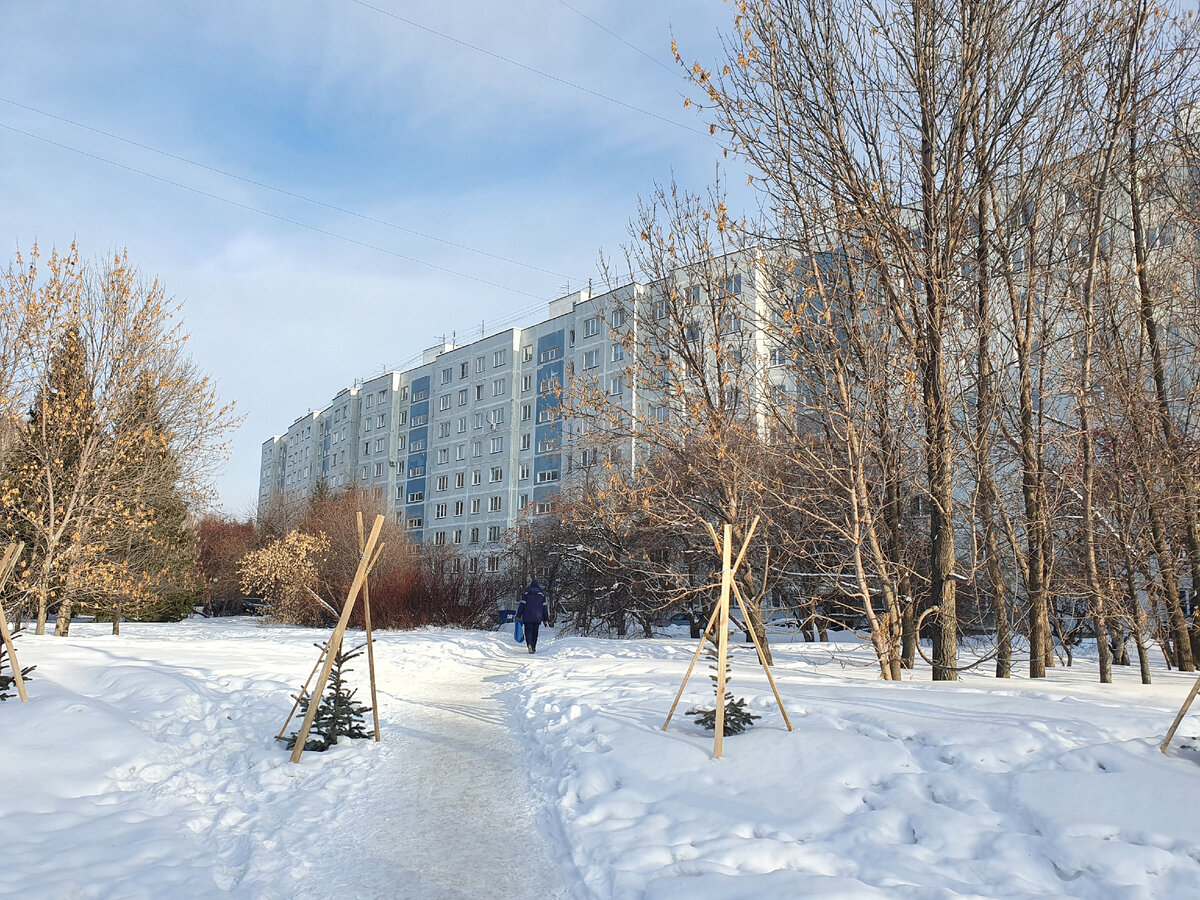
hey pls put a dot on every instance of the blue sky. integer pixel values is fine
(351, 106)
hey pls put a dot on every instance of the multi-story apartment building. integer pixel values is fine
(461, 444)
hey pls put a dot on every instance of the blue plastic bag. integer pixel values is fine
(518, 631)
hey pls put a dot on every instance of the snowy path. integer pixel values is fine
(455, 818)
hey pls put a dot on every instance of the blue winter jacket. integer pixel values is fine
(533, 607)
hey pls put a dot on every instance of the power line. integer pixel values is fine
(633, 47)
(283, 191)
(520, 65)
(271, 215)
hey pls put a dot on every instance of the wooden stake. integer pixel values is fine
(1179, 718)
(695, 656)
(723, 642)
(367, 626)
(303, 691)
(6, 566)
(335, 642)
(737, 592)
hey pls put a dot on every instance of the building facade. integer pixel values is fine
(462, 444)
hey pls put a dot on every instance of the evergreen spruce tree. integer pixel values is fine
(7, 680)
(737, 717)
(339, 714)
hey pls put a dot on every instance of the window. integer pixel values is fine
(460, 479)
(401, 418)
(439, 539)
(366, 448)
(444, 401)
(660, 414)
(462, 397)
(523, 472)
(587, 457)
(591, 359)
(415, 522)
(548, 385)
(545, 509)
(418, 396)
(617, 318)
(658, 309)
(417, 421)
(591, 327)
(548, 354)
(400, 492)
(474, 539)
(497, 444)
(379, 445)
(546, 444)
(497, 474)
(618, 352)
(475, 507)
(473, 562)
(440, 511)
(493, 564)
(548, 475)
(691, 332)
(464, 370)
(494, 504)
(499, 387)
(443, 455)
(447, 374)
(526, 411)
(417, 446)
(479, 364)
(457, 538)
(477, 420)
(527, 353)
(458, 507)
(416, 471)
(525, 441)
(462, 424)
(524, 500)
(416, 497)
(367, 424)
(443, 429)
(616, 385)
(493, 533)
(499, 358)
(476, 476)
(370, 400)
(526, 383)
(443, 482)
(731, 322)
(733, 285)
(479, 392)
(496, 416)
(476, 448)
(378, 469)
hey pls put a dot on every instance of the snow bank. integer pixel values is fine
(984, 788)
(145, 766)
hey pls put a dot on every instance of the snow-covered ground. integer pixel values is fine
(145, 766)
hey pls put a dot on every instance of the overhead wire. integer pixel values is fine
(658, 62)
(284, 191)
(271, 215)
(525, 67)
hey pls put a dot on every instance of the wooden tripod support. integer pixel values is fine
(720, 618)
(1179, 717)
(7, 563)
(366, 560)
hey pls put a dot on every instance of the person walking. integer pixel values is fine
(533, 611)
